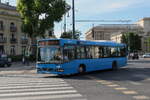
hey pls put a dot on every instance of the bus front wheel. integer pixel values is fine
(114, 66)
(81, 69)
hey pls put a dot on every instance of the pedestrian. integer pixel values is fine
(23, 60)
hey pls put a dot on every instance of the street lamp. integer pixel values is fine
(73, 19)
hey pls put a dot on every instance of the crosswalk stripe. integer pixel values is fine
(6, 85)
(30, 81)
(135, 83)
(44, 97)
(106, 83)
(36, 86)
(113, 85)
(38, 93)
(120, 88)
(37, 89)
(129, 92)
(141, 97)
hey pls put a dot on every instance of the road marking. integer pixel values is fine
(113, 85)
(106, 83)
(31, 84)
(129, 92)
(135, 83)
(148, 79)
(141, 97)
(38, 93)
(35, 81)
(120, 88)
(36, 86)
(101, 81)
(36, 89)
(45, 97)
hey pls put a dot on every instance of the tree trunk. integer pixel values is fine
(33, 46)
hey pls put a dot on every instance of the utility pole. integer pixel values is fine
(73, 19)
(65, 26)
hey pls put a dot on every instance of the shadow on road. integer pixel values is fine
(123, 74)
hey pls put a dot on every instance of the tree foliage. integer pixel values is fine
(132, 40)
(40, 15)
(68, 35)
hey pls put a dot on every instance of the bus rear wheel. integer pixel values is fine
(114, 66)
(81, 69)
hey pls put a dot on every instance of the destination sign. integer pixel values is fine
(48, 43)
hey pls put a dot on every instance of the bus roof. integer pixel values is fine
(86, 42)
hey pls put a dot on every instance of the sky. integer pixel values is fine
(133, 10)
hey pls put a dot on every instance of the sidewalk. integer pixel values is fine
(18, 68)
(140, 60)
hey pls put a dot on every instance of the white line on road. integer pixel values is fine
(141, 97)
(120, 88)
(135, 83)
(129, 92)
(37, 93)
(31, 81)
(44, 97)
(113, 85)
(37, 89)
(18, 87)
(31, 84)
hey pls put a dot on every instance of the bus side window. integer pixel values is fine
(82, 52)
(97, 53)
(88, 53)
(78, 55)
(107, 52)
(114, 52)
(122, 51)
(101, 52)
(69, 52)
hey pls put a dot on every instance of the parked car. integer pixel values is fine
(147, 55)
(5, 61)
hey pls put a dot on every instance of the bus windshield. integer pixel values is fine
(51, 54)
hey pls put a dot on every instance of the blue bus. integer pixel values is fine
(64, 56)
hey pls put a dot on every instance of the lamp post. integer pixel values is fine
(73, 19)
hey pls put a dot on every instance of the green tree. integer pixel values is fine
(68, 35)
(132, 40)
(39, 15)
(124, 39)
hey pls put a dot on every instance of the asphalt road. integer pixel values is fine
(129, 83)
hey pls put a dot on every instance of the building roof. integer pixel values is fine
(116, 27)
(7, 7)
(145, 18)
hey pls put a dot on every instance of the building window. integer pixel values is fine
(1, 25)
(1, 35)
(12, 50)
(2, 51)
(13, 28)
(23, 50)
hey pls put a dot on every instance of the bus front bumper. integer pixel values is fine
(50, 71)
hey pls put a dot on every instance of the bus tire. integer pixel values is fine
(81, 69)
(114, 66)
